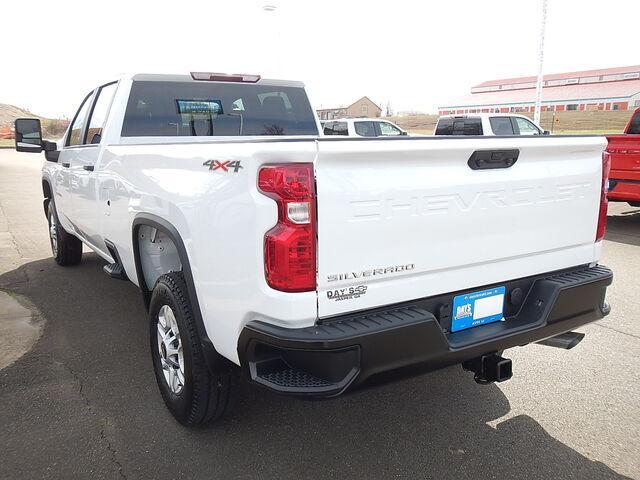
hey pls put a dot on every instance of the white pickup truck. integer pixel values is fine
(316, 263)
(361, 127)
(499, 124)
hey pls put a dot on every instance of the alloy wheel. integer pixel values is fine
(53, 233)
(170, 350)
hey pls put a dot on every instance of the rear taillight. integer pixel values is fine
(290, 246)
(602, 217)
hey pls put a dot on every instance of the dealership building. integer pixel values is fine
(605, 89)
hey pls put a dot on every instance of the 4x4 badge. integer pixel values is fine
(225, 165)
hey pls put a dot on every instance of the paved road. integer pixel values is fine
(83, 402)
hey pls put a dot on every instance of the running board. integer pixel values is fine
(115, 269)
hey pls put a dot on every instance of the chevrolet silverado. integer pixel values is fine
(313, 264)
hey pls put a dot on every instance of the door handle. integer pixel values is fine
(88, 168)
(66, 164)
(487, 159)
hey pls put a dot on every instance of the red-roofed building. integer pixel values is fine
(605, 89)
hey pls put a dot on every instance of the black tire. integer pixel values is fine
(66, 249)
(205, 394)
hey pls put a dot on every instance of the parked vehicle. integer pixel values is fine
(624, 179)
(361, 127)
(316, 263)
(487, 124)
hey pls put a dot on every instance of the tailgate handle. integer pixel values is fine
(487, 159)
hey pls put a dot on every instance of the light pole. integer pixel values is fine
(272, 10)
(536, 115)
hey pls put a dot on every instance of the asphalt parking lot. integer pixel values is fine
(82, 403)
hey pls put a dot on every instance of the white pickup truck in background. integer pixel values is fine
(316, 263)
(491, 124)
(361, 127)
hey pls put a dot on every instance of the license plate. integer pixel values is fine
(477, 308)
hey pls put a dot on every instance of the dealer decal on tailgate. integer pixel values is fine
(346, 293)
(477, 308)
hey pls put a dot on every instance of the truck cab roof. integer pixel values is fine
(483, 115)
(217, 77)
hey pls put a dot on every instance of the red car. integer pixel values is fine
(624, 178)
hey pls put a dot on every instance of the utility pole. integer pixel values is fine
(272, 10)
(536, 115)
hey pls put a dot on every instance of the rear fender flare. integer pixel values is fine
(212, 357)
(47, 193)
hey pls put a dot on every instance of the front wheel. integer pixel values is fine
(65, 248)
(192, 392)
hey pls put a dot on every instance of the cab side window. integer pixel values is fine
(386, 129)
(444, 126)
(340, 128)
(79, 121)
(468, 126)
(526, 127)
(327, 128)
(365, 129)
(459, 126)
(501, 126)
(335, 128)
(99, 113)
(634, 126)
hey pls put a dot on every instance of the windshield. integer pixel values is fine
(171, 109)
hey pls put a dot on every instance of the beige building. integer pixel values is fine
(363, 107)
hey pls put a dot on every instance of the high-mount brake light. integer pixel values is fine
(290, 246)
(225, 77)
(602, 216)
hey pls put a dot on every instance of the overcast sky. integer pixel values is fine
(415, 54)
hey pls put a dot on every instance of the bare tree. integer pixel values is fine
(388, 109)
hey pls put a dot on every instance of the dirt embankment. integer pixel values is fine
(51, 127)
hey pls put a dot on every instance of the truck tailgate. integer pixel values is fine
(400, 219)
(625, 152)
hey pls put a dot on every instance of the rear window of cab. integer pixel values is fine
(174, 109)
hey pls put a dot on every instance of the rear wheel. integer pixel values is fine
(66, 249)
(193, 393)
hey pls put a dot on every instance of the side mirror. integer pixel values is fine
(28, 135)
(546, 132)
(404, 133)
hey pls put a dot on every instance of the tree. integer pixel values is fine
(388, 109)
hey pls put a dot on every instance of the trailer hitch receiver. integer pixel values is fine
(489, 368)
